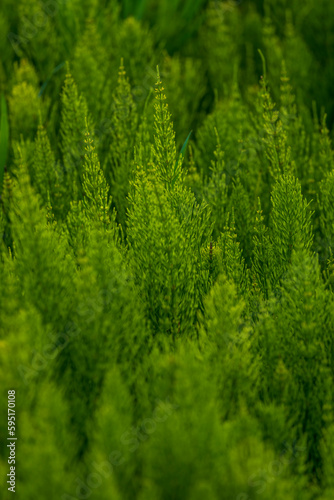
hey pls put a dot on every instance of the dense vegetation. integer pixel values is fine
(166, 267)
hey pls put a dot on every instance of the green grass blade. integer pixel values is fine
(55, 70)
(4, 138)
(264, 67)
(183, 149)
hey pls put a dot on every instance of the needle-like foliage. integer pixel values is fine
(166, 249)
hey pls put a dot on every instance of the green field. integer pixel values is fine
(166, 263)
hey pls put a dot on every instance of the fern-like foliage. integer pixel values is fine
(119, 163)
(164, 148)
(72, 129)
(166, 248)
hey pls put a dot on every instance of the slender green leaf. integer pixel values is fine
(55, 70)
(4, 138)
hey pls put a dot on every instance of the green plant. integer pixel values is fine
(166, 251)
